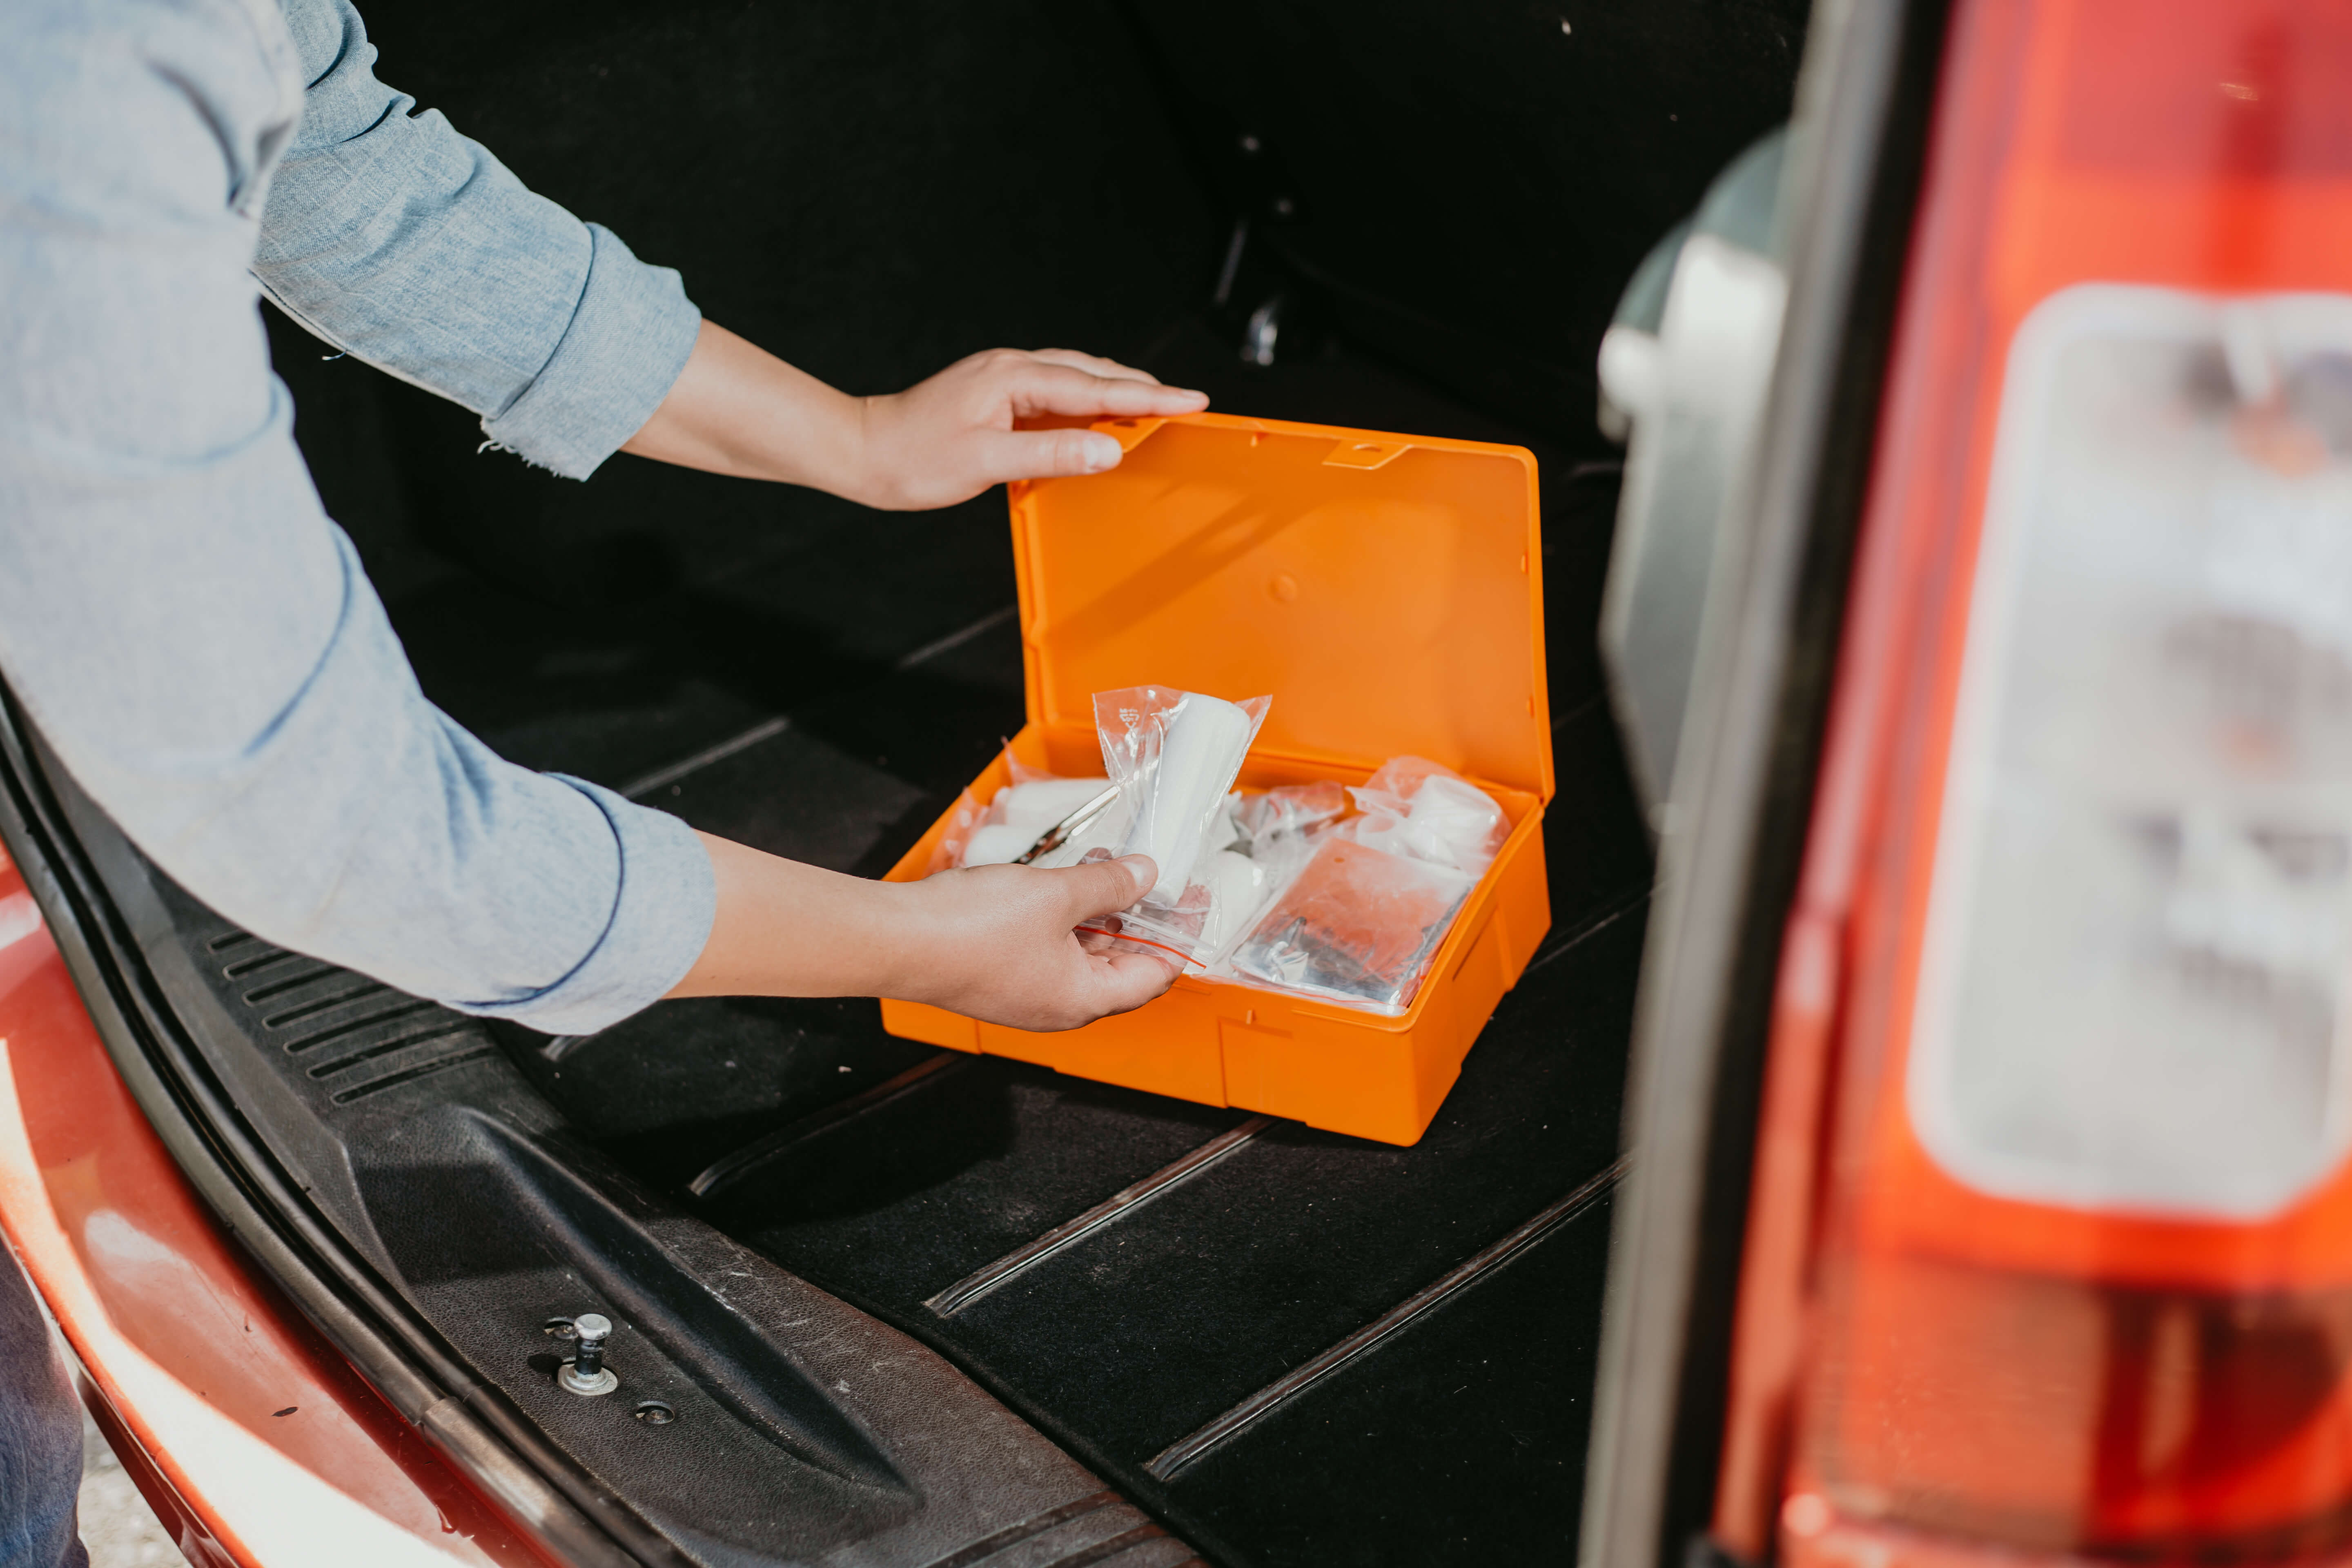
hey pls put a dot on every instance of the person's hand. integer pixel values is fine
(993, 942)
(737, 409)
(947, 438)
(996, 942)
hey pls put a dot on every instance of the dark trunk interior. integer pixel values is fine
(1443, 201)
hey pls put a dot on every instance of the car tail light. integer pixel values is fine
(2050, 1245)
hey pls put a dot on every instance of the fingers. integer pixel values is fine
(1093, 364)
(1105, 887)
(1047, 454)
(1123, 982)
(1040, 386)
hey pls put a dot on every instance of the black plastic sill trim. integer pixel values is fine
(470, 1424)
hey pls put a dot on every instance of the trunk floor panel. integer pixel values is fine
(667, 1091)
(1461, 1439)
(903, 1203)
(797, 795)
(1160, 1320)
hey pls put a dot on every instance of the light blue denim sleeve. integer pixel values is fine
(390, 234)
(178, 616)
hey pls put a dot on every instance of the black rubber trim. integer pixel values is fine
(471, 1425)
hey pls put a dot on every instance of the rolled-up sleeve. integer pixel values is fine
(195, 637)
(391, 236)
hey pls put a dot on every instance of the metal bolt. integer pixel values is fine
(594, 1330)
(585, 1372)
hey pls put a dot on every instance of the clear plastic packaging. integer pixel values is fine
(1273, 890)
(1248, 878)
(1237, 886)
(1360, 920)
(1174, 756)
(1294, 808)
(1257, 843)
(1417, 808)
(1358, 925)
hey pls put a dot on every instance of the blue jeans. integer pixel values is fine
(41, 1436)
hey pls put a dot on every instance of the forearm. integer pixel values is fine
(739, 410)
(785, 929)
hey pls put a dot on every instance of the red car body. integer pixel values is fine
(252, 1439)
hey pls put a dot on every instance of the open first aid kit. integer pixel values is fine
(1312, 661)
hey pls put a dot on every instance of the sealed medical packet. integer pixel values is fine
(1358, 925)
(1174, 756)
(1360, 920)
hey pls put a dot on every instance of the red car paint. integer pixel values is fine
(253, 1440)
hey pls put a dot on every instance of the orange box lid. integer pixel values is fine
(1386, 590)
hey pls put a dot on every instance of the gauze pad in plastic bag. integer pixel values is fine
(1236, 888)
(1246, 882)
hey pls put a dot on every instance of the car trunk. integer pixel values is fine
(838, 1259)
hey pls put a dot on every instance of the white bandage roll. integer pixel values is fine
(1041, 803)
(1461, 816)
(996, 844)
(1107, 831)
(1201, 753)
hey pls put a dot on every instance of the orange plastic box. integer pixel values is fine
(1387, 592)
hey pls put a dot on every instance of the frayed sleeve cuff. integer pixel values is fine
(616, 361)
(661, 918)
